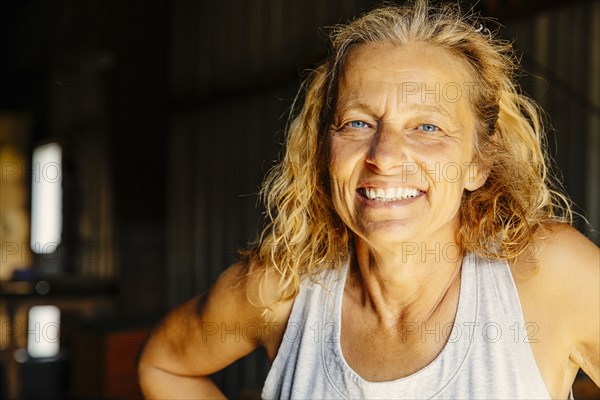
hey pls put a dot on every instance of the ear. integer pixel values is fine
(477, 174)
(478, 171)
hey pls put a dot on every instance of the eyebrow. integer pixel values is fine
(428, 108)
(352, 104)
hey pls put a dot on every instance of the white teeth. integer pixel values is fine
(390, 194)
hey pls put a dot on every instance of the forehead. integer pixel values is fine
(414, 72)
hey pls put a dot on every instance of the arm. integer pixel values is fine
(584, 298)
(570, 285)
(192, 343)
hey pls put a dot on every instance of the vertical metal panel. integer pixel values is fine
(592, 198)
(216, 156)
(560, 48)
(216, 150)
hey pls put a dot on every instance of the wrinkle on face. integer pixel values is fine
(392, 89)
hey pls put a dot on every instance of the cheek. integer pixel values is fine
(340, 180)
(344, 149)
(338, 199)
(342, 163)
(334, 177)
(449, 165)
(338, 153)
(341, 198)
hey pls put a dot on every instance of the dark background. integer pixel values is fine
(169, 112)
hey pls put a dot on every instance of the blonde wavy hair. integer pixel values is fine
(304, 235)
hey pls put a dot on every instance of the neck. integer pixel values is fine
(409, 286)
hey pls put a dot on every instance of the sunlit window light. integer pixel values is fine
(44, 331)
(46, 198)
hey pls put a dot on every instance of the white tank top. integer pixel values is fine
(487, 354)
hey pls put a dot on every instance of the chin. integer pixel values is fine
(388, 233)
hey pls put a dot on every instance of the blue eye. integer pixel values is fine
(358, 124)
(429, 128)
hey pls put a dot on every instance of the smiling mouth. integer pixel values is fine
(389, 194)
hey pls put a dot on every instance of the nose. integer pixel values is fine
(388, 150)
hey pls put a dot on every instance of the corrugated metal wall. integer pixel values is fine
(234, 70)
(561, 53)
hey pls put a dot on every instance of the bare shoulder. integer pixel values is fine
(558, 278)
(561, 259)
(253, 296)
(207, 333)
(260, 292)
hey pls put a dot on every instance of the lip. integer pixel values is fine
(379, 184)
(387, 204)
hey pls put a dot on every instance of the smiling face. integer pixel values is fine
(402, 144)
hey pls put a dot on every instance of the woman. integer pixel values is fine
(415, 247)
